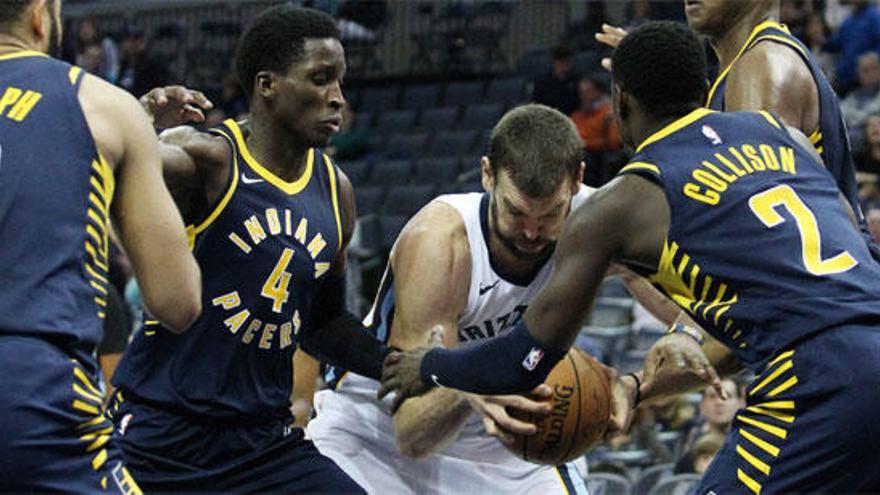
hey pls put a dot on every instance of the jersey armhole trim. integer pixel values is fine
(193, 230)
(334, 195)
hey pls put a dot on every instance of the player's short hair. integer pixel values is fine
(538, 146)
(275, 40)
(12, 10)
(663, 65)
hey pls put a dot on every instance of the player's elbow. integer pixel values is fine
(411, 445)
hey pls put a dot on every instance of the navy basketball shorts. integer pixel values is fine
(53, 437)
(167, 452)
(810, 422)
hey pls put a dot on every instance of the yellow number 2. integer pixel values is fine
(764, 205)
(275, 287)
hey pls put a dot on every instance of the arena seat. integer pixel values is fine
(608, 484)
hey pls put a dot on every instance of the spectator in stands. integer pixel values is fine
(815, 35)
(92, 60)
(87, 36)
(864, 100)
(593, 118)
(349, 143)
(716, 416)
(702, 453)
(558, 88)
(868, 158)
(873, 219)
(859, 34)
(139, 70)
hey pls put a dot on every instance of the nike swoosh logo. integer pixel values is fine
(248, 180)
(435, 380)
(486, 288)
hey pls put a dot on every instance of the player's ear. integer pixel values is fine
(488, 179)
(619, 102)
(264, 84)
(40, 19)
(580, 178)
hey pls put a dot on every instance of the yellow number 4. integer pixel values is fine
(764, 205)
(275, 287)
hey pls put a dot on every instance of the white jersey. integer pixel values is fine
(356, 430)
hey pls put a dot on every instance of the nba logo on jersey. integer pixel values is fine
(711, 135)
(532, 359)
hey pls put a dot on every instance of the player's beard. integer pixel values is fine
(510, 244)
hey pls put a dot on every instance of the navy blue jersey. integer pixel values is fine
(55, 193)
(830, 139)
(760, 249)
(264, 251)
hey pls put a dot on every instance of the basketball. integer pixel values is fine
(581, 408)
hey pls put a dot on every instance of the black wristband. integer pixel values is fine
(638, 388)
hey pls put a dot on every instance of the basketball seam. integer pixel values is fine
(577, 427)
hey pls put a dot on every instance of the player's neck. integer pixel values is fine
(276, 150)
(11, 44)
(729, 43)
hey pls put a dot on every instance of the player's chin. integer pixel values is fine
(320, 137)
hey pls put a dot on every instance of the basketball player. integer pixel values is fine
(465, 267)
(70, 144)
(764, 67)
(269, 217)
(736, 219)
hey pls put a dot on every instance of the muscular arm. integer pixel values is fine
(431, 266)
(774, 77)
(143, 212)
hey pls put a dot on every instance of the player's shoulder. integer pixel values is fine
(772, 63)
(102, 95)
(437, 224)
(203, 146)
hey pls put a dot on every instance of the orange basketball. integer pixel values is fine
(581, 409)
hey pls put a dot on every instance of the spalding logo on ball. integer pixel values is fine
(581, 410)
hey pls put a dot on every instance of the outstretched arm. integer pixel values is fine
(334, 335)
(606, 228)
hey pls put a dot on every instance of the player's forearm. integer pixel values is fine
(427, 424)
(676, 381)
(344, 342)
(508, 364)
(656, 303)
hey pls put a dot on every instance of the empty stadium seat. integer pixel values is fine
(420, 96)
(435, 171)
(378, 99)
(390, 172)
(680, 484)
(481, 117)
(358, 171)
(508, 91)
(369, 199)
(407, 200)
(452, 143)
(405, 145)
(608, 484)
(396, 121)
(651, 476)
(438, 119)
(463, 93)
(389, 228)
